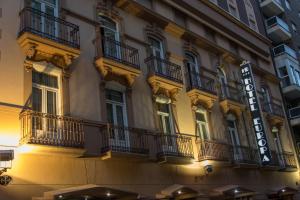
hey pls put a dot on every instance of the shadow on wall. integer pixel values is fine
(24, 191)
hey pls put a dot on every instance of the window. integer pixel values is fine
(193, 69)
(284, 76)
(117, 116)
(233, 10)
(110, 34)
(294, 27)
(278, 146)
(201, 125)
(223, 82)
(287, 4)
(234, 136)
(156, 47)
(251, 15)
(165, 118)
(266, 98)
(234, 47)
(44, 93)
(44, 24)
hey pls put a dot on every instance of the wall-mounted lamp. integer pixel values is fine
(6, 157)
(275, 129)
(208, 169)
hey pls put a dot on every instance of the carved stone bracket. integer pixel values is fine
(28, 65)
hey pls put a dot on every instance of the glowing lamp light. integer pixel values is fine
(236, 191)
(179, 192)
(60, 196)
(283, 190)
(108, 194)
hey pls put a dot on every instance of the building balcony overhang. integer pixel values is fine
(278, 34)
(271, 7)
(117, 61)
(164, 77)
(60, 45)
(291, 91)
(44, 133)
(228, 105)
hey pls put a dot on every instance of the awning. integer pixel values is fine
(90, 192)
(232, 191)
(178, 192)
(285, 191)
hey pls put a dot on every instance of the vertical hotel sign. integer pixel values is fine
(257, 121)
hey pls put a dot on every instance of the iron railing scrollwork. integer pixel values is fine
(49, 26)
(120, 52)
(48, 129)
(164, 68)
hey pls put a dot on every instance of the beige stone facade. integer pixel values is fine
(170, 125)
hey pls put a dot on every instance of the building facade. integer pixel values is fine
(282, 22)
(127, 99)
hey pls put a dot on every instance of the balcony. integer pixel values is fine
(289, 160)
(271, 7)
(214, 151)
(275, 113)
(283, 49)
(245, 156)
(45, 37)
(117, 141)
(45, 133)
(232, 99)
(294, 114)
(164, 76)
(117, 61)
(277, 29)
(201, 89)
(176, 149)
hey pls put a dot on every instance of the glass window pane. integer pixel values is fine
(230, 123)
(109, 112)
(37, 99)
(114, 95)
(200, 117)
(204, 131)
(51, 102)
(120, 122)
(163, 108)
(44, 79)
(168, 125)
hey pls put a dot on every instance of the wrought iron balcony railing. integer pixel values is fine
(178, 145)
(245, 155)
(289, 160)
(120, 52)
(48, 129)
(231, 93)
(124, 140)
(164, 68)
(49, 26)
(197, 81)
(213, 150)
(273, 108)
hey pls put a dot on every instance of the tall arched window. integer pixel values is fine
(109, 28)
(251, 15)
(193, 69)
(110, 36)
(232, 129)
(223, 82)
(266, 97)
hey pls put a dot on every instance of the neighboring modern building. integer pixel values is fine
(142, 99)
(282, 20)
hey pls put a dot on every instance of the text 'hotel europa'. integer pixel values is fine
(257, 120)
